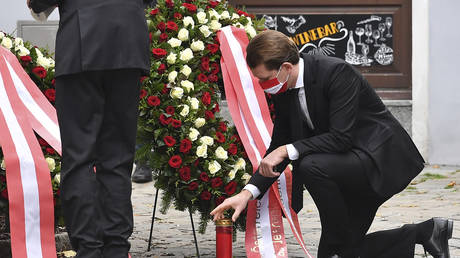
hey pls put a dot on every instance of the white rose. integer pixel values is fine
(221, 153)
(176, 92)
(246, 177)
(239, 25)
(173, 42)
(225, 15)
(213, 167)
(193, 135)
(205, 31)
(249, 21)
(186, 55)
(186, 70)
(2, 165)
(22, 51)
(38, 52)
(202, 151)
(2, 35)
(194, 102)
(201, 16)
(207, 140)
(7, 43)
(57, 178)
(172, 76)
(188, 85)
(171, 58)
(45, 62)
(199, 122)
(197, 45)
(18, 42)
(215, 25)
(51, 164)
(240, 164)
(214, 14)
(185, 110)
(250, 30)
(183, 34)
(188, 20)
(235, 16)
(231, 174)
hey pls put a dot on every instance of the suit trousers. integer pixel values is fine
(347, 205)
(97, 113)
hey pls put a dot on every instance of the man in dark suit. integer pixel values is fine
(102, 49)
(346, 148)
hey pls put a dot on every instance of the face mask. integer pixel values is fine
(274, 86)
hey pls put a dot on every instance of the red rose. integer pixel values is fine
(213, 4)
(220, 200)
(42, 142)
(50, 151)
(185, 146)
(39, 71)
(245, 155)
(178, 16)
(159, 52)
(204, 177)
(142, 79)
(184, 173)
(165, 120)
(202, 77)
(169, 3)
(222, 126)
(220, 137)
(193, 186)
(208, 115)
(161, 69)
(172, 26)
(169, 141)
(170, 110)
(154, 12)
(206, 98)
(204, 66)
(230, 188)
(216, 108)
(212, 48)
(175, 161)
(53, 82)
(235, 137)
(176, 123)
(163, 37)
(161, 26)
(197, 161)
(205, 59)
(232, 149)
(190, 7)
(216, 182)
(213, 78)
(242, 13)
(205, 195)
(272, 107)
(215, 69)
(150, 37)
(5, 194)
(26, 60)
(153, 101)
(50, 94)
(142, 94)
(165, 89)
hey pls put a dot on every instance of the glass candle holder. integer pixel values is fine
(224, 234)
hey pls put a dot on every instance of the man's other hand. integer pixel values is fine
(271, 160)
(237, 202)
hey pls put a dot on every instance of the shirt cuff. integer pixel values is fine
(292, 152)
(253, 190)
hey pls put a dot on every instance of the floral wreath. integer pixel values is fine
(198, 158)
(39, 65)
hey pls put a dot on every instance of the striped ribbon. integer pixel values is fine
(249, 111)
(23, 109)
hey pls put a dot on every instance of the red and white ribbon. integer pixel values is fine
(249, 111)
(23, 109)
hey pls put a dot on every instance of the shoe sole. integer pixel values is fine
(450, 228)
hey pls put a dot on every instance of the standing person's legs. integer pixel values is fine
(79, 105)
(115, 153)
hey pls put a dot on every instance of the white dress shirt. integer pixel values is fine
(291, 150)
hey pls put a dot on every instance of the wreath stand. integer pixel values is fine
(153, 220)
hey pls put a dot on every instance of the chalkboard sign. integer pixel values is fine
(362, 40)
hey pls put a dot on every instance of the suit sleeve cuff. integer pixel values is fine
(292, 152)
(253, 190)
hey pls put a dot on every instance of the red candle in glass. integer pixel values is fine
(224, 229)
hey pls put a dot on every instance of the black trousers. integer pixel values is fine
(347, 205)
(97, 113)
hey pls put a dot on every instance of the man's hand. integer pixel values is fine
(237, 202)
(271, 160)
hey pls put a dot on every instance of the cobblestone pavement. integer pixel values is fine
(433, 193)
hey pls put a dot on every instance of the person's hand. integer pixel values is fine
(271, 160)
(237, 202)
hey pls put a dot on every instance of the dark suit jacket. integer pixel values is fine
(101, 35)
(347, 114)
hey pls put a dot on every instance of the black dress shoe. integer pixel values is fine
(142, 174)
(437, 245)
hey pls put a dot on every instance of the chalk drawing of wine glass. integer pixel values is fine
(376, 36)
(368, 33)
(359, 31)
(389, 22)
(365, 51)
(382, 28)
